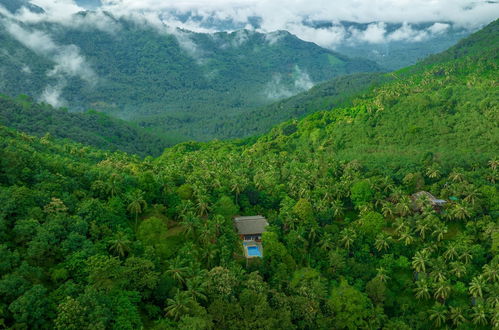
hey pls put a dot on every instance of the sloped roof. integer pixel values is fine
(251, 224)
(432, 198)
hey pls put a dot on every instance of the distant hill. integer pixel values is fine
(91, 128)
(167, 80)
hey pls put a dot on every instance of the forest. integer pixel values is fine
(96, 239)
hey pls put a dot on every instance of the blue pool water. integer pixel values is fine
(253, 251)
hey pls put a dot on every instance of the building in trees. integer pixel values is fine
(250, 229)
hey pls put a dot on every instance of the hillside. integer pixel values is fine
(95, 239)
(91, 128)
(165, 79)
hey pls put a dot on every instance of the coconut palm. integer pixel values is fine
(419, 261)
(433, 172)
(456, 315)
(382, 274)
(479, 315)
(406, 237)
(460, 211)
(382, 242)
(196, 288)
(458, 268)
(180, 305)
(348, 236)
(477, 286)
(422, 289)
(439, 231)
(451, 252)
(438, 314)
(466, 256)
(442, 290)
(388, 209)
(491, 272)
(137, 204)
(457, 175)
(422, 227)
(177, 270)
(120, 244)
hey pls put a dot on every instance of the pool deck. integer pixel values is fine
(252, 243)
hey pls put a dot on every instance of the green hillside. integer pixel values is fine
(91, 239)
(91, 128)
(167, 80)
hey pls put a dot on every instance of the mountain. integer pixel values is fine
(382, 214)
(325, 96)
(167, 80)
(392, 45)
(90, 128)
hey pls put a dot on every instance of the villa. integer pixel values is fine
(250, 230)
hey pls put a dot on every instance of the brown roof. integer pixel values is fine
(250, 225)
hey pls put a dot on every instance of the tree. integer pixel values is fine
(477, 286)
(177, 270)
(442, 290)
(422, 290)
(137, 204)
(479, 315)
(438, 314)
(419, 261)
(120, 244)
(181, 304)
(351, 308)
(456, 316)
(382, 242)
(348, 236)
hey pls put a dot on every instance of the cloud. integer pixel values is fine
(67, 58)
(277, 88)
(52, 95)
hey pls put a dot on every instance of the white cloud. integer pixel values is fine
(52, 95)
(67, 58)
(277, 88)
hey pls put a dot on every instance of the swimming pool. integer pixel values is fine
(253, 251)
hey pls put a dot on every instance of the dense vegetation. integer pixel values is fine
(91, 128)
(93, 239)
(166, 80)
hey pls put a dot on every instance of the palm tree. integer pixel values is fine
(433, 172)
(419, 261)
(479, 315)
(460, 211)
(348, 236)
(451, 252)
(494, 163)
(439, 231)
(438, 314)
(422, 227)
(196, 288)
(458, 268)
(442, 290)
(456, 316)
(180, 305)
(422, 289)
(337, 208)
(491, 272)
(120, 244)
(477, 285)
(177, 270)
(407, 237)
(190, 223)
(137, 204)
(382, 242)
(457, 175)
(388, 210)
(404, 206)
(382, 274)
(466, 256)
